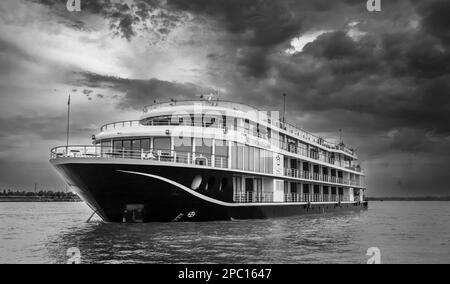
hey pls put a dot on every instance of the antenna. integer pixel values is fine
(284, 109)
(68, 125)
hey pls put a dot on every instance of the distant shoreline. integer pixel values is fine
(426, 198)
(36, 199)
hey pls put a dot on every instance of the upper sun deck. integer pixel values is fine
(274, 122)
(205, 103)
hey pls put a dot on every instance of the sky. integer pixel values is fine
(381, 77)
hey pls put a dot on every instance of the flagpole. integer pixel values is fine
(284, 109)
(68, 126)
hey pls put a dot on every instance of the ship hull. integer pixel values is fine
(130, 192)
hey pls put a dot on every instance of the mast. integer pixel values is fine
(284, 109)
(68, 125)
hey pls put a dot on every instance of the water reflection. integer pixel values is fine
(320, 238)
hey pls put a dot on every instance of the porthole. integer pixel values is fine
(196, 182)
(223, 184)
(211, 183)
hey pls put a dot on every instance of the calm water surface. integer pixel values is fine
(405, 232)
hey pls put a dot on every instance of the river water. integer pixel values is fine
(404, 232)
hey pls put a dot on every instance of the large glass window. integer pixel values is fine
(221, 148)
(237, 156)
(233, 153)
(145, 145)
(161, 143)
(127, 145)
(203, 146)
(262, 160)
(183, 150)
(268, 163)
(237, 185)
(136, 145)
(257, 158)
(117, 145)
(251, 159)
(106, 146)
(246, 157)
(185, 145)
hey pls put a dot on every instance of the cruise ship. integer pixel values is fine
(206, 160)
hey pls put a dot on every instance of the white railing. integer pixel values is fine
(253, 137)
(120, 125)
(250, 197)
(162, 155)
(165, 155)
(318, 177)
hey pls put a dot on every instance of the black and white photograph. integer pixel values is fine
(224, 136)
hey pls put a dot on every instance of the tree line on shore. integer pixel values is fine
(38, 194)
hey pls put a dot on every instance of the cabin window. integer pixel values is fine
(221, 148)
(256, 159)
(196, 182)
(203, 151)
(251, 159)
(305, 188)
(237, 185)
(268, 164)
(240, 156)
(234, 163)
(203, 146)
(246, 157)
(293, 187)
(333, 191)
(136, 145)
(127, 145)
(118, 145)
(106, 146)
(161, 143)
(316, 189)
(183, 149)
(145, 145)
(237, 155)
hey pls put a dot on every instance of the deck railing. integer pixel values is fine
(251, 197)
(319, 177)
(163, 155)
(166, 155)
(290, 128)
(250, 134)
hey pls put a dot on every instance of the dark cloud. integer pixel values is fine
(125, 19)
(436, 19)
(139, 93)
(51, 127)
(87, 92)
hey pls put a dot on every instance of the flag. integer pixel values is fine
(68, 102)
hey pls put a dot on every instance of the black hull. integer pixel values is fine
(163, 193)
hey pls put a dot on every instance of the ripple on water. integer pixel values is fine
(405, 232)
